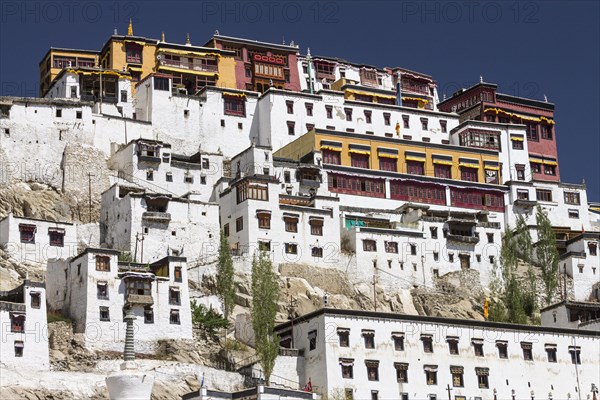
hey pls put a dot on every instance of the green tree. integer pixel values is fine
(265, 292)
(207, 319)
(225, 277)
(523, 240)
(546, 254)
(518, 303)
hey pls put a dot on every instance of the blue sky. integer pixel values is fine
(529, 48)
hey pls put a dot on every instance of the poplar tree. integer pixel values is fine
(546, 254)
(518, 303)
(225, 277)
(265, 292)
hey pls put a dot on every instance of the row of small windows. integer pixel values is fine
(27, 234)
(413, 167)
(143, 289)
(291, 223)
(104, 313)
(348, 114)
(398, 340)
(169, 177)
(347, 367)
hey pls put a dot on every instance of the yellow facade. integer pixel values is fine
(114, 56)
(227, 77)
(48, 70)
(312, 142)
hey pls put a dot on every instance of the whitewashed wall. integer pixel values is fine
(35, 336)
(41, 250)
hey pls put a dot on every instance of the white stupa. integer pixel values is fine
(129, 383)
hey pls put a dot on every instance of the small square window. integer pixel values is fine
(58, 113)
(148, 315)
(102, 290)
(104, 314)
(574, 214)
(223, 123)
(502, 349)
(19, 348)
(369, 339)
(478, 348)
(78, 114)
(169, 177)
(344, 337)
(527, 351)
(453, 345)
(35, 299)
(329, 111)
(174, 296)
(291, 127)
(312, 340)
(427, 344)
(174, 317)
(398, 339)
(177, 274)
(373, 375)
(551, 352)
(317, 252)
(347, 368)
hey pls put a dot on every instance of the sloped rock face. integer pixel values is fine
(35, 200)
(12, 274)
(455, 295)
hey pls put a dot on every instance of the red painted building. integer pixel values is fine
(260, 64)
(482, 102)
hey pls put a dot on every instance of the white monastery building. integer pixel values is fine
(24, 328)
(93, 289)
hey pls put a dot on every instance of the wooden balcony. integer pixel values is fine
(156, 216)
(462, 239)
(139, 299)
(192, 66)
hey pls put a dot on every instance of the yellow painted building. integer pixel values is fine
(484, 163)
(57, 59)
(192, 67)
(133, 54)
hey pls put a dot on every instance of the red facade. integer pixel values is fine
(258, 65)
(482, 102)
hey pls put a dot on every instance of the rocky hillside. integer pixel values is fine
(36, 200)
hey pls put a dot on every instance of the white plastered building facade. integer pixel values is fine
(391, 356)
(94, 287)
(24, 329)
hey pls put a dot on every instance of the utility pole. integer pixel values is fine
(142, 252)
(291, 308)
(135, 251)
(90, 196)
(374, 293)
(448, 388)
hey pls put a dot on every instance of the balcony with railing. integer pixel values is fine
(140, 299)
(156, 216)
(415, 87)
(462, 238)
(194, 65)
